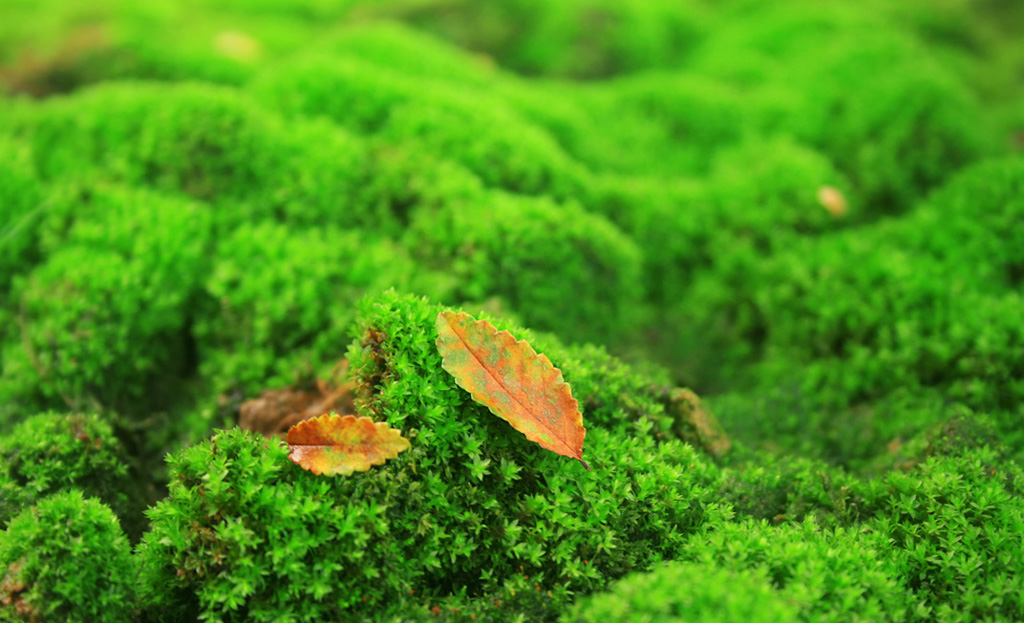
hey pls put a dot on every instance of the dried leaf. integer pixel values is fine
(276, 410)
(335, 444)
(513, 381)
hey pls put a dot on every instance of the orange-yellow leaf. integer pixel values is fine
(336, 444)
(509, 378)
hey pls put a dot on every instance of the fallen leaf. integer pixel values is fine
(509, 378)
(341, 444)
(275, 410)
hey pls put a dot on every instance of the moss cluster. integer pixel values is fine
(49, 452)
(682, 592)
(805, 213)
(66, 559)
(470, 505)
(101, 318)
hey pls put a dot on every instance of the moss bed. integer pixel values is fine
(808, 214)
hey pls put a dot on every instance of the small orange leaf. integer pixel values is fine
(508, 377)
(335, 444)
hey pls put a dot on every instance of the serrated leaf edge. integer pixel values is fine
(482, 399)
(392, 449)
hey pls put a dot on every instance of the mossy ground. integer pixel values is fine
(808, 213)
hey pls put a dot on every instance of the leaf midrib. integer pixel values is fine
(479, 360)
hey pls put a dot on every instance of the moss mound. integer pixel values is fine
(467, 507)
(66, 559)
(48, 452)
(688, 592)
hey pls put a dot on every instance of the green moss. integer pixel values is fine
(967, 225)
(764, 188)
(932, 540)
(705, 240)
(297, 309)
(783, 417)
(407, 179)
(21, 196)
(148, 134)
(66, 559)
(638, 177)
(915, 303)
(760, 198)
(55, 47)
(565, 270)
(884, 319)
(362, 97)
(833, 574)
(778, 489)
(49, 452)
(612, 393)
(571, 39)
(692, 117)
(465, 508)
(569, 113)
(207, 142)
(350, 91)
(401, 48)
(520, 599)
(955, 526)
(671, 217)
(492, 141)
(104, 320)
(906, 132)
(873, 99)
(245, 534)
(962, 433)
(482, 134)
(688, 592)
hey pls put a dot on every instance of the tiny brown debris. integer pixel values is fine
(373, 346)
(832, 200)
(277, 410)
(12, 584)
(10, 588)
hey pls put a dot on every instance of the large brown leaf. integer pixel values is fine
(509, 378)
